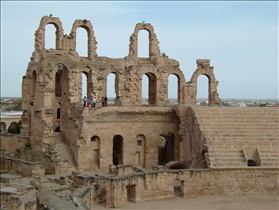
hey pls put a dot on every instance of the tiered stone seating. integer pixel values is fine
(230, 130)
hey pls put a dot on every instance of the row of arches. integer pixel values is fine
(148, 86)
(62, 41)
(173, 88)
(4, 126)
(165, 149)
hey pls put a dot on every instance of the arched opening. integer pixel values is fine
(152, 88)
(13, 125)
(34, 79)
(144, 90)
(64, 100)
(58, 88)
(140, 150)
(3, 127)
(82, 41)
(95, 148)
(85, 84)
(58, 113)
(111, 88)
(173, 89)
(203, 90)
(117, 150)
(166, 148)
(143, 43)
(50, 36)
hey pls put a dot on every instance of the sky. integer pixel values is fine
(239, 37)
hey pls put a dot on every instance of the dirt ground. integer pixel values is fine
(246, 202)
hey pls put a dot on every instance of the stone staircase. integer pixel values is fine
(63, 151)
(228, 131)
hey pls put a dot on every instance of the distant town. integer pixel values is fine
(14, 103)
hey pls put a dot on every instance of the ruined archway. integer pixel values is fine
(82, 41)
(61, 94)
(12, 125)
(40, 33)
(91, 43)
(173, 89)
(50, 39)
(166, 148)
(203, 68)
(203, 88)
(143, 43)
(153, 41)
(3, 126)
(58, 88)
(152, 88)
(87, 88)
(117, 151)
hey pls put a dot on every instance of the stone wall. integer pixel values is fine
(138, 130)
(160, 185)
(23, 168)
(10, 142)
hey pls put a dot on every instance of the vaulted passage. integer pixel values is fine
(166, 148)
(117, 150)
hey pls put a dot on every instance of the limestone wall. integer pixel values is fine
(11, 142)
(23, 168)
(132, 125)
(153, 186)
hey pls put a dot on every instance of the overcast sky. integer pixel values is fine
(240, 39)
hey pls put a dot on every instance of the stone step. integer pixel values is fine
(227, 164)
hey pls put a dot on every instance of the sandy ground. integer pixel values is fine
(246, 202)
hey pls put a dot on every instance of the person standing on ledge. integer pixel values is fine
(93, 102)
(106, 101)
(84, 101)
(103, 101)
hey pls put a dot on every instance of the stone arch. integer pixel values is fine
(62, 102)
(152, 86)
(92, 43)
(166, 148)
(3, 126)
(111, 69)
(181, 82)
(204, 68)
(117, 151)
(40, 33)
(95, 150)
(154, 49)
(58, 88)
(87, 71)
(12, 125)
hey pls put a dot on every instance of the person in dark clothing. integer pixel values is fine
(106, 101)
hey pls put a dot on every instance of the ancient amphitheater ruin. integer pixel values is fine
(77, 157)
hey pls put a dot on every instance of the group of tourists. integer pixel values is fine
(87, 102)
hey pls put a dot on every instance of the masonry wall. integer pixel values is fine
(132, 124)
(10, 142)
(153, 186)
